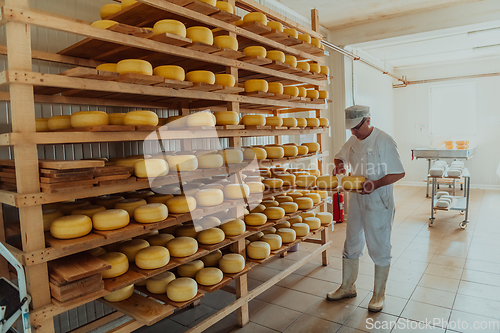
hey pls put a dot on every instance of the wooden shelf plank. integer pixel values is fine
(130, 277)
(210, 289)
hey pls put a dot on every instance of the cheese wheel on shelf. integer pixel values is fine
(200, 34)
(233, 227)
(103, 24)
(42, 125)
(271, 230)
(156, 198)
(289, 207)
(291, 32)
(227, 118)
(322, 194)
(110, 219)
(295, 195)
(209, 197)
(304, 66)
(353, 182)
(255, 219)
(256, 85)
(182, 289)
(287, 235)
(325, 217)
(316, 42)
(275, 25)
(325, 70)
(255, 51)
(150, 213)
(89, 118)
(109, 9)
(118, 262)
(232, 263)
(128, 162)
(135, 66)
(206, 222)
(97, 251)
(226, 42)
(72, 226)
(255, 237)
(290, 151)
(275, 88)
(312, 93)
(301, 229)
(304, 203)
(255, 187)
(209, 276)
(130, 205)
(190, 269)
(255, 17)
(59, 123)
(270, 203)
(312, 146)
(328, 182)
(50, 215)
(258, 250)
(85, 210)
(313, 222)
(160, 239)
(201, 77)
(276, 55)
(210, 161)
(273, 240)
(236, 191)
(131, 247)
(188, 230)
(120, 294)
(127, 3)
(316, 198)
(295, 219)
(151, 168)
(307, 214)
(301, 122)
(290, 122)
(158, 284)
(312, 122)
(182, 247)
(274, 213)
(323, 94)
(200, 119)
(258, 209)
(210, 236)
(111, 67)
(314, 67)
(140, 117)
(305, 38)
(255, 153)
(302, 92)
(274, 121)
(212, 259)
(315, 172)
(302, 150)
(225, 6)
(291, 91)
(305, 181)
(288, 180)
(284, 224)
(273, 183)
(182, 162)
(291, 60)
(169, 26)
(284, 198)
(254, 120)
(274, 152)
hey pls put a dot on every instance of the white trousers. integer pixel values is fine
(369, 222)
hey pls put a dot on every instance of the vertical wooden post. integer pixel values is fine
(278, 140)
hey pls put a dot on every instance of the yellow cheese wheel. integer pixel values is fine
(304, 192)
(314, 67)
(226, 117)
(304, 203)
(209, 276)
(85, 210)
(275, 25)
(327, 182)
(169, 26)
(289, 207)
(255, 187)
(182, 162)
(273, 240)
(276, 55)
(110, 67)
(236, 191)
(307, 214)
(258, 209)
(274, 213)
(232, 156)
(127, 162)
(188, 230)
(200, 34)
(325, 217)
(304, 66)
(182, 246)
(170, 72)
(291, 32)
(290, 151)
(212, 259)
(270, 203)
(301, 229)
(254, 119)
(49, 216)
(42, 124)
(209, 161)
(190, 269)
(274, 152)
(233, 227)
(255, 17)
(291, 91)
(151, 168)
(109, 9)
(284, 224)
(131, 247)
(72, 226)
(141, 117)
(89, 118)
(209, 197)
(227, 42)
(255, 51)
(294, 195)
(150, 213)
(157, 198)
(305, 38)
(255, 219)
(200, 119)
(118, 262)
(225, 6)
(275, 88)
(210, 236)
(232, 263)
(324, 122)
(201, 77)
(305, 181)
(316, 198)
(325, 70)
(227, 80)
(353, 182)
(258, 250)
(110, 219)
(182, 289)
(287, 235)
(322, 194)
(316, 42)
(120, 294)
(312, 146)
(291, 60)
(268, 231)
(255, 153)
(295, 219)
(312, 122)
(323, 94)
(255, 85)
(301, 122)
(284, 198)
(302, 150)
(158, 283)
(181, 204)
(313, 222)
(160, 239)
(152, 257)
(103, 24)
(98, 251)
(273, 182)
(290, 122)
(302, 92)
(59, 123)
(136, 66)
(207, 222)
(274, 121)
(312, 93)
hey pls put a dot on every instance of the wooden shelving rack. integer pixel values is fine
(27, 88)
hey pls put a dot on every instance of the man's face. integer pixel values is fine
(362, 130)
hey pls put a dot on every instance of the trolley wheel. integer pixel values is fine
(462, 212)
(431, 222)
(463, 224)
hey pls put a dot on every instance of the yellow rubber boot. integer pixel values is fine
(350, 269)
(377, 302)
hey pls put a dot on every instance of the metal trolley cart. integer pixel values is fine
(460, 203)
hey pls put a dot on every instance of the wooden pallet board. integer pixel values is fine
(168, 222)
(48, 180)
(143, 79)
(256, 27)
(225, 16)
(61, 185)
(210, 289)
(117, 182)
(101, 128)
(112, 170)
(182, 305)
(171, 39)
(256, 60)
(257, 127)
(66, 189)
(175, 84)
(76, 267)
(202, 7)
(201, 47)
(277, 65)
(217, 246)
(229, 127)
(130, 30)
(65, 165)
(258, 94)
(130, 277)
(112, 177)
(204, 87)
(77, 289)
(229, 53)
(91, 73)
(131, 230)
(8, 174)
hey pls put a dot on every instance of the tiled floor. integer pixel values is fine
(442, 272)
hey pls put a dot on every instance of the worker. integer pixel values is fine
(371, 153)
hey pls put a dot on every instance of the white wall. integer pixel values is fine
(412, 107)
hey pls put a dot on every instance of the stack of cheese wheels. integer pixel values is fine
(131, 247)
(59, 123)
(182, 247)
(236, 191)
(135, 66)
(313, 222)
(140, 117)
(182, 289)
(325, 217)
(209, 197)
(181, 204)
(85, 210)
(212, 259)
(110, 219)
(150, 213)
(120, 294)
(232, 263)
(312, 146)
(182, 162)
(287, 235)
(210, 236)
(304, 203)
(273, 183)
(89, 118)
(273, 240)
(232, 156)
(209, 161)
(227, 118)
(158, 283)
(160, 239)
(255, 219)
(274, 152)
(274, 213)
(316, 198)
(255, 51)
(256, 85)
(130, 205)
(200, 34)
(233, 227)
(254, 120)
(190, 269)
(258, 250)
(150, 168)
(209, 276)
(353, 182)
(72, 226)
(301, 229)
(327, 182)
(118, 262)
(305, 181)
(50, 215)
(289, 207)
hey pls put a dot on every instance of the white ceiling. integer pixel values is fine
(343, 13)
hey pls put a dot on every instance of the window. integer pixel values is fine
(453, 110)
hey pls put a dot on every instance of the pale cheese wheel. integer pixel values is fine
(284, 224)
(59, 123)
(316, 198)
(227, 118)
(276, 55)
(72, 226)
(284, 198)
(210, 161)
(209, 276)
(255, 51)
(232, 156)
(140, 117)
(288, 180)
(188, 230)
(169, 26)
(254, 120)
(51, 215)
(182, 246)
(271, 230)
(89, 118)
(353, 182)
(86, 210)
(255, 237)
(302, 150)
(325, 217)
(289, 207)
(190, 269)
(312, 146)
(305, 38)
(305, 181)
(130, 205)
(182, 289)
(275, 242)
(200, 119)
(158, 283)
(274, 121)
(289, 122)
(135, 66)
(295, 195)
(255, 219)
(275, 152)
(226, 42)
(313, 222)
(255, 17)
(131, 247)
(273, 182)
(200, 34)
(236, 191)
(109, 9)
(42, 125)
(314, 172)
(275, 88)
(118, 262)
(160, 239)
(290, 151)
(256, 85)
(270, 203)
(139, 194)
(258, 250)
(232, 263)
(233, 227)
(312, 122)
(210, 236)
(255, 153)
(322, 194)
(110, 219)
(103, 24)
(291, 32)
(157, 198)
(255, 187)
(150, 213)
(328, 182)
(209, 197)
(291, 91)
(120, 294)
(274, 213)
(304, 203)
(301, 229)
(182, 162)
(207, 222)
(258, 209)
(287, 235)
(295, 219)
(307, 214)
(151, 168)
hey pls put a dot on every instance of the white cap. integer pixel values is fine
(355, 114)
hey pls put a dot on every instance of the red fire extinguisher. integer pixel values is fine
(338, 207)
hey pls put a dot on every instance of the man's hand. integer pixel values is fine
(339, 168)
(368, 187)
